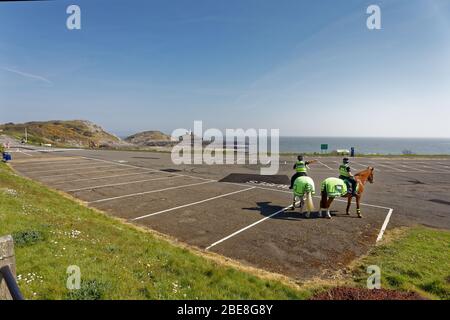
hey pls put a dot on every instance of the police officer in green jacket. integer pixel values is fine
(300, 168)
(346, 174)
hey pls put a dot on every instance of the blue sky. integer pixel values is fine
(309, 68)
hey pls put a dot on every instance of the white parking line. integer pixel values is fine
(433, 168)
(56, 165)
(386, 166)
(28, 167)
(84, 172)
(380, 235)
(290, 192)
(385, 223)
(149, 169)
(30, 155)
(121, 184)
(192, 204)
(359, 164)
(76, 168)
(43, 162)
(443, 165)
(248, 227)
(409, 167)
(325, 165)
(148, 192)
(100, 178)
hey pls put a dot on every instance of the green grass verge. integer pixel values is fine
(419, 260)
(117, 261)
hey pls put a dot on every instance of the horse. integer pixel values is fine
(303, 190)
(361, 179)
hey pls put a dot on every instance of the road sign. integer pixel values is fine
(324, 147)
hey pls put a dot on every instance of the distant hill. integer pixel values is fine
(74, 133)
(149, 138)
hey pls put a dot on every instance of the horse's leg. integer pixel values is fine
(323, 202)
(330, 201)
(358, 209)
(349, 203)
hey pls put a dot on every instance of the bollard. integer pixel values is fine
(6, 259)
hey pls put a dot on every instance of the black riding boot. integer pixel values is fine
(294, 177)
(354, 187)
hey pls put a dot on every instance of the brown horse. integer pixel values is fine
(361, 179)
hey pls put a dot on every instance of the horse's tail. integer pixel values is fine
(309, 202)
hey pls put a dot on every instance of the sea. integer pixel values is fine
(390, 146)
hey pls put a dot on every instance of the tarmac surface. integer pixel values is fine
(233, 211)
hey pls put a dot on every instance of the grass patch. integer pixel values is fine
(89, 290)
(117, 261)
(419, 260)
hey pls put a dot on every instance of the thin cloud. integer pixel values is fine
(27, 75)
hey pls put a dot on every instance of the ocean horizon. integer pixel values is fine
(366, 145)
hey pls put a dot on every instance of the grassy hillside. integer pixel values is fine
(76, 133)
(149, 138)
(117, 261)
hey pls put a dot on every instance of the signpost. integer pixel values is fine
(324, 147)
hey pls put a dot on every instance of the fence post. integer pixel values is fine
(6, 259)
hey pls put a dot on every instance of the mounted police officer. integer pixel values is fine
(346, 174)
(301, 169)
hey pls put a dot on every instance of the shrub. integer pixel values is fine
(89, 290)
(27, 238)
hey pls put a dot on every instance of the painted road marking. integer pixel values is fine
(380, 235)
(53, 165)
(192, 204)
(359, 164)
(386, 166)
(290, 192)
(442, 165)
(31, 170)
(30, 155)
(105, 177)
(409, 167)
(76, 168)
(324, 165)
(62, 159)
(62, 164)
(149, 169)
(122, 183)
(365, 204)
(83, 172)
(148, 192)
(385, 223)
(57, 165)
(434, 168)
(429, 172)
(248, 227)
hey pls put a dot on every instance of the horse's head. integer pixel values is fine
(370, 177)
(366, 175)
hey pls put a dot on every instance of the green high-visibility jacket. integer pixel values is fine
(334, 187)
(303, 185)
(300, 166)
(343, 170)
